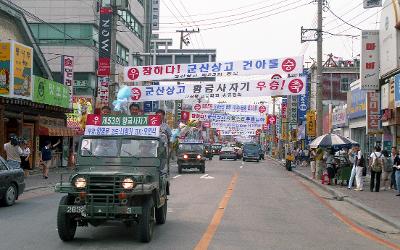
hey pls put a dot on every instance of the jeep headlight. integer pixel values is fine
(80, 182)
(128, 183)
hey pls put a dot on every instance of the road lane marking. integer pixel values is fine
(176, 176)
(206, 176)
(361, 231)
(216, 220)
(241, 166)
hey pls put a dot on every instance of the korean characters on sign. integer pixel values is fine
(292, 65)
(373, 113)
(370, 60)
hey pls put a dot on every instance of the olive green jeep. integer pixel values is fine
(120, 178)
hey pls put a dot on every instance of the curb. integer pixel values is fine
(341, 197)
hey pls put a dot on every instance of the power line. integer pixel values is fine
(344, 14)
(342, 19)
(190, 18)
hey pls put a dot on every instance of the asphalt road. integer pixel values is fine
(267, 209)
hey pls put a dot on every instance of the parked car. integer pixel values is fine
(12, 183)
(228, 153)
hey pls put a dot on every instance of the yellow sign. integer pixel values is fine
(5, 68)
(284, 132)
(311, 123)
(22, 64)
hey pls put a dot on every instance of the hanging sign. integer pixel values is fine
(227, 118)
(102, 91)
(105, 41)
(224, 107)
(311, 123)
(369, 60)
(271, 119)
(292, 65)
(373, 113)
(289, 86)
(123, 125)
(67, 74)
(233, 125)
(293, 111)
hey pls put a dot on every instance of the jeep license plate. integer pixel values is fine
(75, 209)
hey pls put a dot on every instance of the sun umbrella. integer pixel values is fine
(332, 140)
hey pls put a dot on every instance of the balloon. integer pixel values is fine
(124, 93)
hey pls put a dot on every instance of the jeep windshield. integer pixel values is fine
(113, 147)
(191, 147)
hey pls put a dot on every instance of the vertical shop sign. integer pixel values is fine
(396, 91)
(293, 111)
(284, 109)
(370, 60)
(22, 71)
(5, 68)
(105, 41)
(373, 113)
(311, 124)
(302, 107)
(155, 15)
(102, 91)
(67, 74)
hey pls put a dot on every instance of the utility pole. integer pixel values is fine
(319, 70)
(184, 34)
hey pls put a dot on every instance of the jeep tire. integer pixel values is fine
(146, 221)
(66, 225)
(161, 213)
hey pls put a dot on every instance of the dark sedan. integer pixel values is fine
(228, 153)
(12, 183)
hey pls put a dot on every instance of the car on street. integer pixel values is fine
(118, 178)
(216, 148)
(12, 183)
(228, 153)
(251, 152)
(208, 151)
(191, 155)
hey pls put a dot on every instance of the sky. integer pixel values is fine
(254, 29)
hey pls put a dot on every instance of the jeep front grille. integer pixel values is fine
(104, 190)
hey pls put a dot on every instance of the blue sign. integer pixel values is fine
(358, 104)
(397, 90)
(148, 106)
(302, 107)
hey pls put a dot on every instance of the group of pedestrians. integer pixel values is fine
(382, 166)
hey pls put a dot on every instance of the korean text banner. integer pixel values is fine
(289, 65)
(369, 60)
(223, 107)
(51, 93)
(123, 125)
(254, 88)
(227, 118)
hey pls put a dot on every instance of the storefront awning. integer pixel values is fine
(56, 131)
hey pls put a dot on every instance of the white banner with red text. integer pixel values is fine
(224, 107)
(225, 118)
(253, 88)
(288, 65)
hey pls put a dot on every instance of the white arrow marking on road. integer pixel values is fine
(241, 166)
(176, 176)
(206, 176)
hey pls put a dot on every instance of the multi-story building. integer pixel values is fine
(71, 27)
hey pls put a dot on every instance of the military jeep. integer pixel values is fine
(120, 178)
(191, 155)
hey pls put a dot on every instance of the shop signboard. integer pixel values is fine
(396, 91)
(225, 107)
(5, 68)
(339, 118)
(123, 125)
(105, 41)
(251, 88)
(357, 106)
(227, 118)
(155, 15)
(102, 91)
(369, 60)
(389, 38)
(67, 73)
(385, 96)
(373, 113)
(289, 65)
(293, 110)
(302, 107)
(51, 93)
(82, 106)
(16, 69)
(372, 3)
(311, 130)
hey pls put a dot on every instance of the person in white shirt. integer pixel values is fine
(360, 165)
(13, 152)
(25, 157)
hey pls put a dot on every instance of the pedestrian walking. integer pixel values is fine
(393, 175)
(13, 152)
(397, 172)
(330, 165)
(387, 170)
(313, 166)
(46, 156)
(25, 165)
(319, 163)
(376, 166)
(353, 159)
(360, 165)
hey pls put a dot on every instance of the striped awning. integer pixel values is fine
(332, 140)
(56, 131)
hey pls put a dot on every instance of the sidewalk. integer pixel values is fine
(35, 179)
(382, 204)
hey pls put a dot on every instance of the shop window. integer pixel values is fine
(122, 55)
(127, 18)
